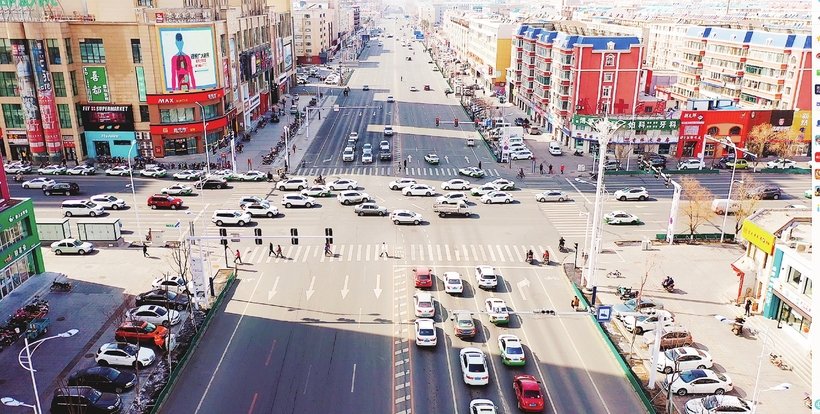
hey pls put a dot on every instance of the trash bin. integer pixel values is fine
(582, 167)
(646, 245)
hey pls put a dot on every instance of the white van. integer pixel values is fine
(555, 148)
(725, 205)
(81, 208)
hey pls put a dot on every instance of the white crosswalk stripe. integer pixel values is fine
(427, 172)
(566, 217)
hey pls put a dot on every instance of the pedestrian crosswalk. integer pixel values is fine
(444, 172)
(428, 253)
(568, 218)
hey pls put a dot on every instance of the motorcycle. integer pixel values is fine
(319, 181)
(737, 325)
(777, 360)
(18, 178)
(546, 257)
(626, 293)
(529, 258)
(578, 153)
(61, 286)
(669, 285)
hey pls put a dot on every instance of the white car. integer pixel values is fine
(226, 175)
(384, 146)
(699, 381)
(517, 147)
(178, 189)
(108, 201)
(253, 175)
(354, 136)
(453, 283)
(451, 198)
(511, 349)
(15, 168)
(348, 154)
(188, 175)
(367, 158)
(261, 210)
(634, 193)
(425, 332)
(293, 184)
(174, 284)
(154, 314)
(39, 182)
(388, 130)
(497, 310)
(418, 190)
(367, 148)
(81, 170)
(401, 183)
(51, 170)
(290, 200)
(473, 366)
(683, 359)
(482, 406)
(486, 277)
(456, 184)
(252, 200)
(621, 217)
(643, 323)
(344, 184)
(552, 195)
(781, 163)
(348, 197)
(521, 154)
(494, 197)
(124, 354)
(503, 184)
(405, 217)
(719, 404)
(71, 246)
(424, 305)
(120, 170)
(690, 163)
(414, 89)
(154, 172)
(474, 172)
(483, 189)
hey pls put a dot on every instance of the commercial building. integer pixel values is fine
(488, 51)
(311, 38)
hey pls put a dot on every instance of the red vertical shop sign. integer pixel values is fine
(31, 111)
(45, 96)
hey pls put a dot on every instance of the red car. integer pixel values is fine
(140, 331)
(528, 393)
(164, 201)
(423, 277)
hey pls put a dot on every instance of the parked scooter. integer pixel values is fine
(578, 153)
(737, 325)
(61, 286)
(626, 293)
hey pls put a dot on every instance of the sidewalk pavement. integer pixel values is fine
(705, 286)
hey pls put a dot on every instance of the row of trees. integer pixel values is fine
(697, 202)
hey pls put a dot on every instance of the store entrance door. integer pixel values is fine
(102, 148)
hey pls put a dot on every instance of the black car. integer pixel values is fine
(214, 182)
(767, 192)
(84, 400)
(522, 121)
(163, 298)
(105, 379)
(62, 188)
(655, 160)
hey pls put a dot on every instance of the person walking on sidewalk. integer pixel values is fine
(541, 168)
(575, 302)
(383, 252)
(748, 308)
(270, 249)
(237, 257)
(145, 250)
(562, 168)
(550, 168)
(479, 165)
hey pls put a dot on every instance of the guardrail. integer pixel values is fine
(708, 237)
(785, 171)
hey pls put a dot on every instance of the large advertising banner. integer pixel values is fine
(280, 57)
(25, 81)
(96, 84)
(234, 75)
(188, 58)
(45, 97)
(288, 56)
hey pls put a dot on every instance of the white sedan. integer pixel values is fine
(472, 172)
(252, 175)
(401, 183)
(451, 198)
(17, 168)
(419, 190)
(683, 359)
(154, 314)
(118, 170)
(154, 172)
(39, 182)
(634, 193)
(453, 283)
(178, 189)
(621, 217)
(344, 184)
(51, 170)
(174, 284)
(405, 217)
(552, 195)
(81, 170)
(503, 184)
(473, 366)
(781, 163)
(521, 154)
(425, 332)
(107, 201)
(483, 189)
(498, 311)
(367, 158)
(495, 197)
(482, 406)
(699, 381)
(261, 210)
(456, 184)
(188, 175)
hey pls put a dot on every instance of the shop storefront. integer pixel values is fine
(19, 245)
(180, 127)
(109, 144)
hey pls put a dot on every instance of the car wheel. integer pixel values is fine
(92, 214)
(58, 252)
(667, 370)
(395, 187)
(701, 366)
(350, 187)
(180, 307)
(634, 222)
(173, 206)
(288, 205)
(308, 205)
(48, 193)
(219, 222)
(102, 363)
(166, 324)
(638, 331)
(487, 202)
(720, 391)
(623, 198)
(26, 186)
(416, 222)
(642, 198)
(118, 390)
(270, 214)
(395, 222)
(683, 167)
(682, 392)
(381, 214)
(361, 213)
(428, 194)
(507, 201)
(282, 188)
(115, 207)
(153, 206)
(776, 196)
(561, 199)
(68, 214)
(82, 252)
(446, 187)
(345, 202)
(241, 223)
(301, 187)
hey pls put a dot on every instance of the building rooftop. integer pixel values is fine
(775, 220)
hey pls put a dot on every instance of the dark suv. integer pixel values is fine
(164, 201)
(655, 160)
(766, 192)
(62, 188)
(85, 400)
(212, 182)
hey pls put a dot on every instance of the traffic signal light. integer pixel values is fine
(328, 236)
(258, 234)
(657, 175)
(223, 233)
(294, 236)
(455, 122)
(437, 121)
(667, 181)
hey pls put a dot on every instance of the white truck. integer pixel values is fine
(461, 208)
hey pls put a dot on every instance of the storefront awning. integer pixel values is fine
(795, 307)
(744, 266)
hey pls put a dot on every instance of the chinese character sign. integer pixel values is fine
(188, 58)
(45, 98)
(652, 124)
(96, 84)
(28, 94)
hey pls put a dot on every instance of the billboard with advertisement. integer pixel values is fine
(280, 57)
(288, 56)
(188, 58)
(108, 117)
(25, 82)
(142, 90)
(232, 58)
(96, 84)
(45, 97)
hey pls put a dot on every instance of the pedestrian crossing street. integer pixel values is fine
(444, 172)
(445, 253)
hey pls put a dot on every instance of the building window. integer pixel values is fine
(712, 131)
(58, 80)
(73, 76)
(64, 113)
(309, 51)
(13, 115)
(92, 51)
(8, 84)
(794, 276)
(53, 48)
(68, 55)
(5, 51)
(608, 77)
(136, 51)
(145, 115)
(211, 111)
(609, 61)
(607, 92)
(735, 130)
(176, 115)
(807, 287)
(78, 107)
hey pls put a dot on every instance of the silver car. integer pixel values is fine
(73, 246)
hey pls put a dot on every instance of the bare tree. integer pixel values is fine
(649, 264)
(622, 152)
(758, 139)
(786, 145)
(744, 192)
(698, 207)
(179, 260)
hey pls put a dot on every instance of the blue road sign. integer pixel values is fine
(603, 313)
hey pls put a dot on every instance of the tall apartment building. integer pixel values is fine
(755, 68)
(488, 51)
(664, 45)
(284, 68)
(311, 35)
(87, 79)
(455, 29)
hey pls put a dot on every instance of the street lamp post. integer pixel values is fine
(133, 190)
(24, 359)
(205, 140)
(11, 402)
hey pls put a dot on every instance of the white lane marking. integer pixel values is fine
(353, 381)
(306, 379)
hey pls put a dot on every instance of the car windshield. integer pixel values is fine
(92, 395)
(488, 277)
(532, 394)
(689, 376)
(672, 354)
(150, 327)
(76, 243)
(454, 281)
(112, 374)
(171, 295)
(465, 323)
(425, 332)
(160, 311)
(425, 305)
(475, 367)
(515, 351)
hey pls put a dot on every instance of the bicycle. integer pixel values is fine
(614, 274)
(777, 360)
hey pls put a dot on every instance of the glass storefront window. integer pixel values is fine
(16, 273)
(791, 318)
(794, 276)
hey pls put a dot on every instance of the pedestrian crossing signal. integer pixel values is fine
(328, 236)
(258, 234)
(224, 234)
(294, 236)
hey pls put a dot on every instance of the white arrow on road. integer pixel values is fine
(310, 290)
(521, 285)
(467, 160)
(447, 160)
(273, 290)
(378, 290)
(409, 158)
(345, 290)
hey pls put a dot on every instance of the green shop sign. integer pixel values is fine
(96, 84)
(29, 3)
(653, 124)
